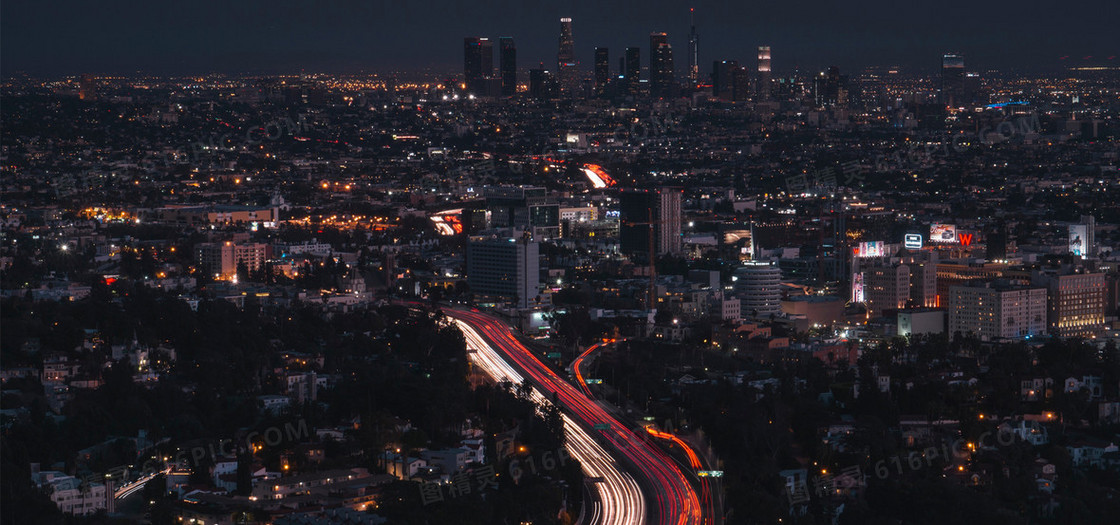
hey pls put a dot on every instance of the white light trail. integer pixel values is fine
(622, 500)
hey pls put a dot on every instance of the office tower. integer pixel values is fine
(566, 66)
(970, 89)
(507, 64)
(952, 80)
(669, 220)
(646, 215)
(886, 287)
(660, 65)
(997, 310)
(1076, 301)
(504, 268)
(478, 63)
(632, 72)
(723, 72)
(693, 51)
(740, 84)
(830, 89)
(542, 84)
(758, 284)
(923, 279)
(602, 69)
(763, 72)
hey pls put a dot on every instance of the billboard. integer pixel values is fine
(1078, 239)
(871, 249)
(912, 241)
(943, 233)
(857, 287)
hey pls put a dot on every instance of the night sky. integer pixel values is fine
(62, 37)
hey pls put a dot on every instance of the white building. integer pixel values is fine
(994, 311)
(71, 496)
(758, 285)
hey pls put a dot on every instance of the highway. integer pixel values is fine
(672, 499)
(710, 505)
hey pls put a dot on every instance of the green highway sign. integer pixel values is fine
(593, 381)
(554, 355)
(710, 473)
(602, 426)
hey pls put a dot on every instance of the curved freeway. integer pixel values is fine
(694, 461)
(672, 499)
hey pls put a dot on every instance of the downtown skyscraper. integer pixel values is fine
(952, 79)
(602, 69)
(693, 51)
(507, 65)
(478, 63)
(632, 71)
(567, 69)
(661, 76)
(763, 72)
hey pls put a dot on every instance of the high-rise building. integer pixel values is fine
(723, 72)
(650, 214)
(504, 268)
(831, 88)
(952, 80)
(1076, 299)
(1082, 237)
(542, 84)
(759, 287)
(507, 64)
(478, 63)
(997, 310)
(632, 72)
(740, 84)
(602, 69)
(886, 287)
(763, 72)
(222, 259)
(693, 51)
(661, 76)
(566, 66)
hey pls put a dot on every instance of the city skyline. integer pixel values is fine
(347, 38)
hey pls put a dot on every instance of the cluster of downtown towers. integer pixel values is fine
(729, 79)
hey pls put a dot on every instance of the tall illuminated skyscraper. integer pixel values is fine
(602, 69)
(478, 62)
(566, 66)
(723, 72)
(507, 64)
(952, 79)
(763, 72)
(632, 73)
(660, 65)
(693, 51)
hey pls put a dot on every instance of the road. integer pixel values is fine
(695, 464)
(672, 499)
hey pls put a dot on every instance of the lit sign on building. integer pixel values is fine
(1078, 235)
(871, 249)
(857, 288)
(912, 241)
(944, 233)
